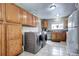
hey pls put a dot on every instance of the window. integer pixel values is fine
(57, 26)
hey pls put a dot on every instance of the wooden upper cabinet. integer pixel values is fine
(24, 17)
(29, 21)
(45, 24)
(34, 21)
(12, 13)
(2, 11)
(14, 39)
(0, 39)
(25, 20)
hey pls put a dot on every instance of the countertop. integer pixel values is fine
(63, 30)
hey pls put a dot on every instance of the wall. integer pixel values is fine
(55, 21)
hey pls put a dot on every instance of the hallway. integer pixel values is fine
(51, 49)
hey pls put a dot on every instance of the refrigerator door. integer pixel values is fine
(73, 41)
(70, 21)
(73, 19)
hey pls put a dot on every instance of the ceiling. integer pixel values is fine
(43, 11)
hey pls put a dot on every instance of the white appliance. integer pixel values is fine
(73, 34)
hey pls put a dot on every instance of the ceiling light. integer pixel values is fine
(53, 6)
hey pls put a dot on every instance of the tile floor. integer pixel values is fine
(50, 49)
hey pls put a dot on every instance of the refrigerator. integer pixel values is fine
(73, 34)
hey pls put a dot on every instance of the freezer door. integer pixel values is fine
(73, 19)
(70, 21)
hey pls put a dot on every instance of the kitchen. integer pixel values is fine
(34, 29)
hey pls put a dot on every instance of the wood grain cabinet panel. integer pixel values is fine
(58, 36)
(14, 39)
(54, 36)
(34, 21)
(2, 11)
(12, 13)
(2, 40)
(30, 19)
(45, 24)
(24, 17)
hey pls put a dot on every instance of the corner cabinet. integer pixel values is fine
(14, 39)
(2, 11)
(12, 13)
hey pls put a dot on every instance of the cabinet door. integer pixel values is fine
(29, 19)
(14, 39)
(2, 40)
(2, 11)
(54, 36)
(24, 17)
(45, 24)
(59, 36)
(63, 36)
(12, 13)
(34, 21)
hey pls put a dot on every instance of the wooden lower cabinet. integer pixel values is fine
(2, 40)
(14, 39)
(54, 36)
(58, 36)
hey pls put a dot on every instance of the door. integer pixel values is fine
(54, 36)
(24, 17)
(30, 19)
(2, 40)
(34, 21)
(45, 24)
(12, 13)
(14, 39)
(2, 11)
(73, 41)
